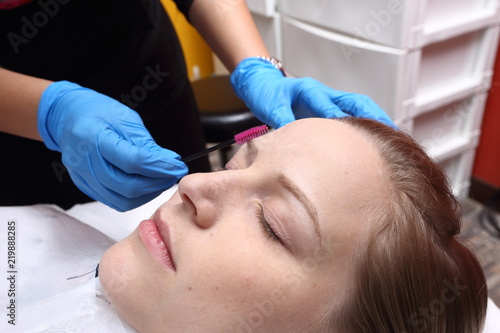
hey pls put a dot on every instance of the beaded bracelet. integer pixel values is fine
(275, 62)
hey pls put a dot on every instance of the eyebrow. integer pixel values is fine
(291, 187)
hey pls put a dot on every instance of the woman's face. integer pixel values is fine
(265, 246)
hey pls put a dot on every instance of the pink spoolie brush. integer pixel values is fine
(239, 139)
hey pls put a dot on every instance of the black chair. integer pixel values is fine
(222, 113)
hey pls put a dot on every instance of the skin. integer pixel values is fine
(19, 98)
(230, 276)
(228, 29)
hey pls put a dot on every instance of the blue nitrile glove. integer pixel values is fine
(277, 100)
(108, 152)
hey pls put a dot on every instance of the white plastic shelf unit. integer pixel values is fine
(265, 8)
(396, 23)
(268, 22)
(454, 68)
(446, 130)
(404, 82)
(458, 168)
(450, 135)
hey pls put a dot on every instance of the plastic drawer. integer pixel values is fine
(450, 128)
(262, 7)
(270, 29)
(459, 171)
(343, 63)
(405, 83)
(454, 68)
(396, 23)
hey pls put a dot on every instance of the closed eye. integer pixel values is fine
(265, 225)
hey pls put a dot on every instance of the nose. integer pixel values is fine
(203, 195)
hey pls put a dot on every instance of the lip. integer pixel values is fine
(156, 238)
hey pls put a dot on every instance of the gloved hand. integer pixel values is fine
(277, 100)
(108, 152)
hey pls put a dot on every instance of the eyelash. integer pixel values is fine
(262, 218)
(265, 225)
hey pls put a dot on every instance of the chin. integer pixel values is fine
(118, 270)
(109, 273)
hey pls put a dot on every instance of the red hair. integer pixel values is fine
(415, 274)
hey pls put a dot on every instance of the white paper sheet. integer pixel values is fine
(47, 246)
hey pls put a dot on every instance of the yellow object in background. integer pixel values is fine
(198, 55)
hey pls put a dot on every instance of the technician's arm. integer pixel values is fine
(108, 152)
(228, 27)
(19, 97)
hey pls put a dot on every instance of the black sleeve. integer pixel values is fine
(183, 6)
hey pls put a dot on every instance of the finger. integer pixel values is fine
(322, 106)
(133, 185)
(281, 116)
(110, 198)
(149, 160)
(314, 99)
(363, 106)
(277, 117)
(102, 176)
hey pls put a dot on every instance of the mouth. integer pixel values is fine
(156, 238)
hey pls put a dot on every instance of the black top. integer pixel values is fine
(106, 45)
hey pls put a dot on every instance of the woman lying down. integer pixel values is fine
(321, 226)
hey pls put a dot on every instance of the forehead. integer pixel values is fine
(328, 138)
(335, 165)
(315, 130)
(332, 149)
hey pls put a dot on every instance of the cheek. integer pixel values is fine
(241, 280)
